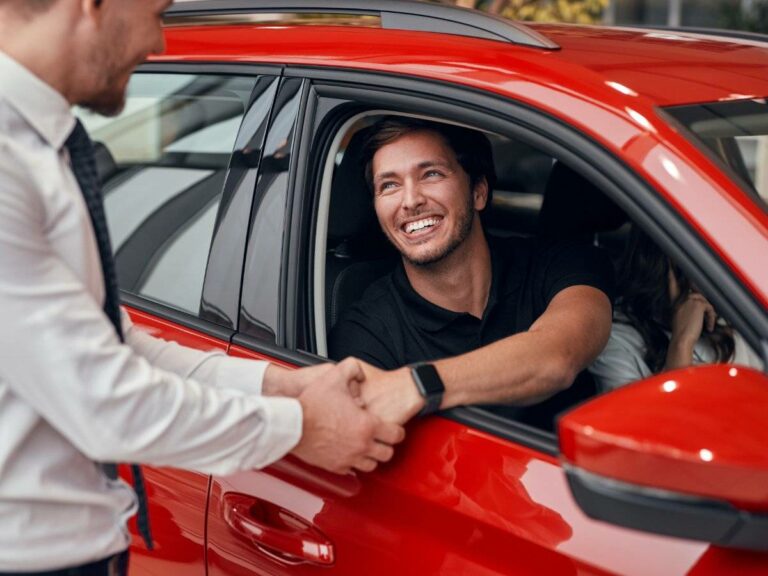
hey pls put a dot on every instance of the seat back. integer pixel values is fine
(358, 252)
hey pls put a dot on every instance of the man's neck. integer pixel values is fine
(461, 282)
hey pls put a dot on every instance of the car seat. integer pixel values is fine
(358, 252)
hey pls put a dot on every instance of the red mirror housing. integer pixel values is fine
(693, 439)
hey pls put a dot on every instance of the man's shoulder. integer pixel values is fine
(16, 168)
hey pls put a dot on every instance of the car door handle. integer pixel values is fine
(277, 532)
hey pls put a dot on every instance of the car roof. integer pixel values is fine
(666, 68)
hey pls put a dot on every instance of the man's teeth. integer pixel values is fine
(420, 224)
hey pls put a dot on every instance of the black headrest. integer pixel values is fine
(351, 202)
(574, 206)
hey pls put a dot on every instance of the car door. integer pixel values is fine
(177, 167)
(469, 491)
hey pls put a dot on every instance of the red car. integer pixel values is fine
(240, 223)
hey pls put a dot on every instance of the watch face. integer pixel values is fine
(428, 380)
(430, 386)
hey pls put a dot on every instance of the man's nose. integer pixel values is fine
(412, 195)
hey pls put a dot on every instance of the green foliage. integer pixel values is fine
(575, 11)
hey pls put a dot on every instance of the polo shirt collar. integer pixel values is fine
(433, 318)
(44, 109)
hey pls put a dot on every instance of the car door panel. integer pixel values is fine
(177, 498)
(451, 499)
(204, 113)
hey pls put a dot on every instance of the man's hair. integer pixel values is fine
(472, 148)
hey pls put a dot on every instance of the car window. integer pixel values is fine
(737, 133)
(163, 163)
(260, 307)
(536, 196)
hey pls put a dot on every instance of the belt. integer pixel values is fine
(116, 565)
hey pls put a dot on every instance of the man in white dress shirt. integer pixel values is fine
(71, 392)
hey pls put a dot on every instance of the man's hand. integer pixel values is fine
(391, 395)
(338, 434)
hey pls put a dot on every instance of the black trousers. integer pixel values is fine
(113, 566)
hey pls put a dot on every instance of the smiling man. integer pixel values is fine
(465, 318)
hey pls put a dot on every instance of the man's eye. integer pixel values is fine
(432, 173)
(385, 187)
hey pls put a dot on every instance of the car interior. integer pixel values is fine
(536, 195)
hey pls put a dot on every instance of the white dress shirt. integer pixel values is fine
(70, 392)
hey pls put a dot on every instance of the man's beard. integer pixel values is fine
(108, 102)
(465, 221)
(109, 60)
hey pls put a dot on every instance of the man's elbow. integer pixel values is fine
(560, 374)
(554, 375)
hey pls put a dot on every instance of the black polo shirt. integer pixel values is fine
(393, 325)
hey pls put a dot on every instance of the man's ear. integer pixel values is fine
(480, 193)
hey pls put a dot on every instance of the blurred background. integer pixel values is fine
(748, 15)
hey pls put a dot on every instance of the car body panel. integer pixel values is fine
(177, 499)
(449, 501)
(723, 463)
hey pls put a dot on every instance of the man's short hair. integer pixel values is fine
(472, 148)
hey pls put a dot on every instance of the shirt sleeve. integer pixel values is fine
(573, 263)
(60, 354)
(211, 368)
(621, 362)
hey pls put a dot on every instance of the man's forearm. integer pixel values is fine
(522, 369)
(529, 367)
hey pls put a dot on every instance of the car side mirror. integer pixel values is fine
(683, 453)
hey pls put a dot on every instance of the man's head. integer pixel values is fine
(86, 49)
(429, 182)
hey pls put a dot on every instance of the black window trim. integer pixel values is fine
(148, 305)
(505, 116)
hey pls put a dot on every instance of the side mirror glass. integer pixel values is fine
(683, 453)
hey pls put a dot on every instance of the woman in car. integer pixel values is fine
(661, 322)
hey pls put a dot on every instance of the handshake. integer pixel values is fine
(353, 413)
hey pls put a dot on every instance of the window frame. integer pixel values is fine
(638, 198)
(196, 322)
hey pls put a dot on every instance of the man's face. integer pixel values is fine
(128, 32)
(423, 198)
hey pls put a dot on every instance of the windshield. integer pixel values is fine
(737, 133)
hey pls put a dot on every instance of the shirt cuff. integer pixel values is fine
(240, 374)
(283, 425)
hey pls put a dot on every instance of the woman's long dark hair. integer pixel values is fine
(643, 283)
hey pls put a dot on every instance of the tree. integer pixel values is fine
(578, 11)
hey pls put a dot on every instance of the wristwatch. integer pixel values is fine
(429, 385)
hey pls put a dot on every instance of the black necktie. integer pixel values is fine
(83, 162)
